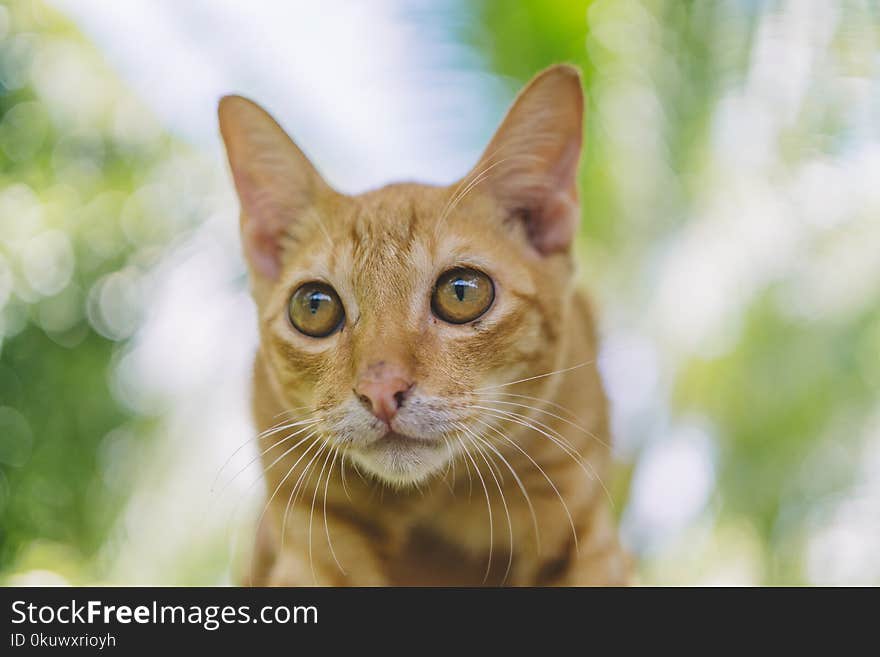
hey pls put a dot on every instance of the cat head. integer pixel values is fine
(388, 318)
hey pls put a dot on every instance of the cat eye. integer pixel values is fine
(315, 310)
(462, 295)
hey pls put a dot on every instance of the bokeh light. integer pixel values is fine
(730, 236)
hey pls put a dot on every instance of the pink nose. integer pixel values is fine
(383, 392)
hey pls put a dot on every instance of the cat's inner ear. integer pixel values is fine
(276, 183)
(530, 166)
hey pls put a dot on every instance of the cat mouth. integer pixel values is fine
(393, 439)
(401, 458)
(397, 443)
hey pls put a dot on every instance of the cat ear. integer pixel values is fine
(531, 163)
(276, 183)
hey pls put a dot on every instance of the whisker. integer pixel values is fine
(538, 376)
(503, 503)
(544, 473)
(519, 483)
(305, 470)
(342, 477)
(451, 458)
(488, 509)
(264, 452)
(312, 513)
(312, 213)
(291, 411)
(301, 493)
(281, 483)
(468, 469)
(553, 415)
(531, 422)
(450, 464)
(261, 436)
(548, 402)
(237, 504)
(361, 475)
(464, 183)
(496, 469)
(459, 196)
(562, 444)
(473, 179)
(489, 161)
(258, 480)
(326, 526)
(299, 480)
(281, 426)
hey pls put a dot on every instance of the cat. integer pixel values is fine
(425, 385)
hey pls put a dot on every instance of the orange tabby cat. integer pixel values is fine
(426, 381)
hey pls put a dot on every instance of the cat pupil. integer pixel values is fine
(314, 303)
(459, 289)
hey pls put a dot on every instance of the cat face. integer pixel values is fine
(388, 316)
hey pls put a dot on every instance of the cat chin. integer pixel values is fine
(402, 467)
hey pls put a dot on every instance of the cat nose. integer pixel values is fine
(383, 393)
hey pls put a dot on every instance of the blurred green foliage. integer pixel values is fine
(787, 392)
(67, 170)
(790, 398)
(519, 39)
(725, 225)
